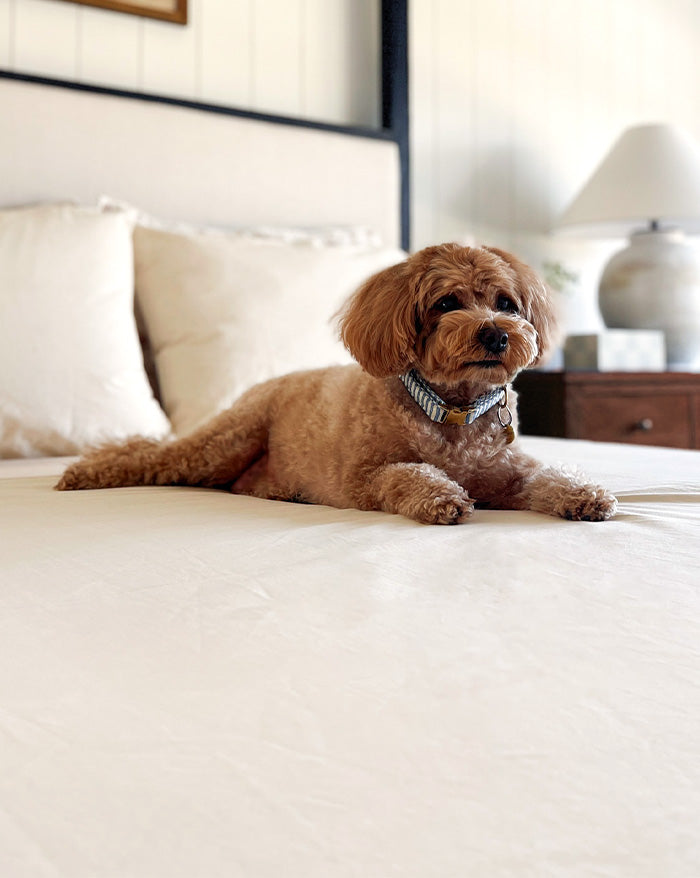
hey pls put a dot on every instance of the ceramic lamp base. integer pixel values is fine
(654, 283)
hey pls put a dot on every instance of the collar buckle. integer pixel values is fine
(458, 416)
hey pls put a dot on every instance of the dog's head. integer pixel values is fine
(457, 314)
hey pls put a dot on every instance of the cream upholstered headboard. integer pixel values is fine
(181, 162)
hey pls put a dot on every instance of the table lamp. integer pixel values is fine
(648, 187)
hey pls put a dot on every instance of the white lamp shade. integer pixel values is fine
(651, 173)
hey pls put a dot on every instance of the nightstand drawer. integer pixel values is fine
(661, 419)
(650, 408)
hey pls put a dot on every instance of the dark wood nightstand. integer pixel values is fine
(649, 408)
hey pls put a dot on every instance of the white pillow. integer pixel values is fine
(71, 370)
(318, 236)
(226, 312)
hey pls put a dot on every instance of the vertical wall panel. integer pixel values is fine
(328, 40)
(492, 119)
(277, 59)
(529, 102)
(680, 76)
(423, 119)
(225, 54)
(171, 56)
(626, 76)
(454, 154)
(45, 38)
(6, 32)
(654, 51)
(340, 60)
(110, 48)
(561, 136)
(595, 51)
(364, 63)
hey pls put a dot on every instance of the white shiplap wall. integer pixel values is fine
(515, 101)
(312, 58)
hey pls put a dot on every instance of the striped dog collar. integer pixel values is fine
(441, 413)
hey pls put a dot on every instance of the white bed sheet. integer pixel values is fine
(197, 684)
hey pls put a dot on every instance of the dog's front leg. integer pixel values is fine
(418, 491)
(559, 492)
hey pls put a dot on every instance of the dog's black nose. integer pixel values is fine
(495, 340)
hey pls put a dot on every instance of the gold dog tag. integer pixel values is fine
(505, 419)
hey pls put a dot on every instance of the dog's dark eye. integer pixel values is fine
(505, 303)
(448, 303)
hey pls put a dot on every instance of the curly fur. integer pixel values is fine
(352, 437)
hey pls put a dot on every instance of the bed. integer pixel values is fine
(200, 684)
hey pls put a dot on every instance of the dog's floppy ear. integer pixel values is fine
(378, 323)
(538, 304)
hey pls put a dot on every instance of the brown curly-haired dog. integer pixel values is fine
(422, 429)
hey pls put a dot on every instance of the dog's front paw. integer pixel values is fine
(454, 509)
(421, 492)
(588, 503)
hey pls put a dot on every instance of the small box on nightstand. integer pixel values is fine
(617, 350)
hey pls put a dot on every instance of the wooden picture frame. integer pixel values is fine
(164, 10)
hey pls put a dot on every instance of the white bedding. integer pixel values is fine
(199, 684)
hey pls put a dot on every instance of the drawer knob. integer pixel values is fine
(645, 425)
